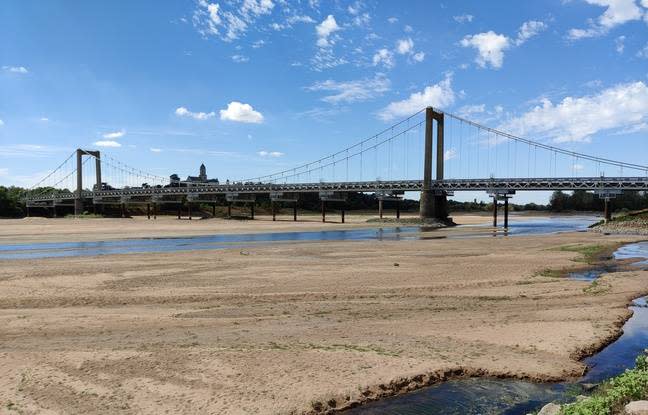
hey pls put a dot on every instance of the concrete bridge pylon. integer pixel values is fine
(78, 200)
(433, 203)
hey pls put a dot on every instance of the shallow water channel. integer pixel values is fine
(513, 397)
(225, 241)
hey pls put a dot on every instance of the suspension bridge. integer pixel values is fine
(463, 155)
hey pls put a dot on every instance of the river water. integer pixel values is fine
(224, 241)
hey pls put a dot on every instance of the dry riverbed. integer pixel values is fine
(291, 328)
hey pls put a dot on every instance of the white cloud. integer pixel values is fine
(184, 112)
(463, 18)
(352, 91)
(239, 112)
(408, 29)
(578, 118)
(643, 53)
(44, 119)
(392, 20)
(617, 13)
(212, 20)
(264, 153)
(468, 110)
(324, 31)
(619, 44)
(300, 19)
(1, 123)
(418, 57)
(107, 143)
(4, 172)
(528, 30)
(437, 95)
(490, 48)
(240, 58)
(15, 69)
(404, 46)
(155, 150)
(450, 154)
(258, 44)
(384, 57)
(113, 135)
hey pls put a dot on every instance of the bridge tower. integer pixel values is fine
(78, 200)
(433, 204)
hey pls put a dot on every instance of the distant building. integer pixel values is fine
(193, 180)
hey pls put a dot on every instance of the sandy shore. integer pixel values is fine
(290, 328)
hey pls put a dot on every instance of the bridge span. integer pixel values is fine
(474, 150)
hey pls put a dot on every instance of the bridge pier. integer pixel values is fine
(323, 211)
(229, 210)
(433, 204)
(295, 212)
(274, 213)
(397, 209)
(608, 210)
(213, 210)
(495, 211)
(189, 209)
(380, 208)
(343, 214)
(155, 211)
(252, 211)
(148, 211)
(506, 212)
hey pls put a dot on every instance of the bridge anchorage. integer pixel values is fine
(433, 152)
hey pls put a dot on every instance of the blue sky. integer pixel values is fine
(254, 86)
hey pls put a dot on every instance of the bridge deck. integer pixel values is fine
(449, 185)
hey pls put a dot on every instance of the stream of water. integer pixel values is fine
(514, 397)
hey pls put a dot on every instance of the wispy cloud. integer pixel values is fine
(114, 135)
(15, 69)
(437, 95)
(264, 153)
(352, 91)
(617, 12)
(107, 143)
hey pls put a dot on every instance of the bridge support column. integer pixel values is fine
(122, 210)
(433, 205)
(608, 210)
(78, 201)
(380, 208)
(179, 211)
(154, 210)
(252, 210)
(148, 211)
(27, 207)
(229, 210)
(274, 213)
(397, 209)
(323, 211)
(494, 211)
(189, 209)
(213, 210)
(506, 212)
(54, 211)
(343, 215)
(295, 212)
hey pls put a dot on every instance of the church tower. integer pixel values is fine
(203, 173)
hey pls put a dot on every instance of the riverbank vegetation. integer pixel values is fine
(613, 394)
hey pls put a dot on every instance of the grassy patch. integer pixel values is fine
(612, 395)
(550, 273)
(589, 253)
(596, 288)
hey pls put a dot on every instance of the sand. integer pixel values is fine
(289, 328)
